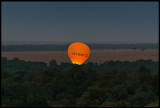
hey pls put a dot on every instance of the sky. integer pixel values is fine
(80, 21)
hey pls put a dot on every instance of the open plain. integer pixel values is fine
(96, 56)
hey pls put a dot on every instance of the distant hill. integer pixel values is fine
(68, 42)
(31, 42)
(64, 47)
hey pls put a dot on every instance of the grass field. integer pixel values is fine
(96, 56)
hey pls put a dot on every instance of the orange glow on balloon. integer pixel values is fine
(78, 53)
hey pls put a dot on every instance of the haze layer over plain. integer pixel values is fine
(97, 56)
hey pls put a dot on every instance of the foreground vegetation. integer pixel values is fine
(113, 84)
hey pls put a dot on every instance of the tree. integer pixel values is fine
(155, 83)
(52, 63)
(93, 97)
(142, 98)
(36, 101)
(119, 92)
(144, 76)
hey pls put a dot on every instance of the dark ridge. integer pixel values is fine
(64, 47)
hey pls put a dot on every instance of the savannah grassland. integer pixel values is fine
(96, 56)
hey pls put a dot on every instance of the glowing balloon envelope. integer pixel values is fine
(78, 53)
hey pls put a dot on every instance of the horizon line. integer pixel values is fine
(69, 42)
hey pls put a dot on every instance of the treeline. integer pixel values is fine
(113, 84)
(15, 65)
(64, 47)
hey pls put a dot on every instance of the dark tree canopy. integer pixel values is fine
(111, 84)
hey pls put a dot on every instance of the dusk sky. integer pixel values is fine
(80, 21)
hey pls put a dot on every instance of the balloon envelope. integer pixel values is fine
(78, 53)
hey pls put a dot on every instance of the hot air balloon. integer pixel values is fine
(78, 53)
